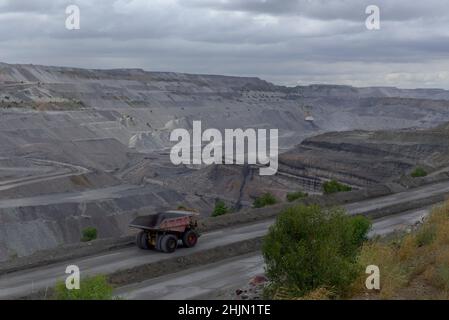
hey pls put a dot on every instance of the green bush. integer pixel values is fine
(360, 226)
(310, 247)
(89, 234)
(334, 186)
(296, 195)
(267, 199)
(93, 288)
(220, 209)
(418, 172)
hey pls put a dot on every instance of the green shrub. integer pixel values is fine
(93, 288)
(296, 195)
(334, 186)
(89, 234)
(418, 172)
(220, 209)
(360, 227)
(267, 199)
(310, 247)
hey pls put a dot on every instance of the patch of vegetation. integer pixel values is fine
(414, 267)
(310, 248)
(334, 186)
(267, 199)
(360, 226)
(93, 288)
(89, 234)
(418, 172)
(296, 195)
(220, 209)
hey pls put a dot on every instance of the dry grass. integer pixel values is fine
(285, 293)
(417, 267)
(393, 274)
(321, 293)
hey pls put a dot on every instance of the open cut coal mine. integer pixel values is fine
(90, 148)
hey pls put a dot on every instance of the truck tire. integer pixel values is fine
(142, 240)
(159, 241)
(169, 243)
(189, 238)
(138, 240)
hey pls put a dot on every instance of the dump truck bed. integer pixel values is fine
(172, 220)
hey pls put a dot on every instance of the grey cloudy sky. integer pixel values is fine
(285, 41)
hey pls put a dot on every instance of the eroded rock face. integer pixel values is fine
(67, 135)
(366, 157)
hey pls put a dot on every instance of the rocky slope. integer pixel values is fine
(367, 157)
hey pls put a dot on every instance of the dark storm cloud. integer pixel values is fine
(284, 41)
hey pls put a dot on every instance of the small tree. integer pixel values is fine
(267, 199)
(334, 186)
(419, 172)
(93, 288)
(220, 209)
(310, 247)
(89, 234)
(296, 195)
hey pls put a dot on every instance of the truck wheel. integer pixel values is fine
(159, 242)
(138, 240)
(169, 243)
(189, 238)
(142, 240)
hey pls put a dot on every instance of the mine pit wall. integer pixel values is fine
(314, 177)
(307, 181)
(362, 161)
